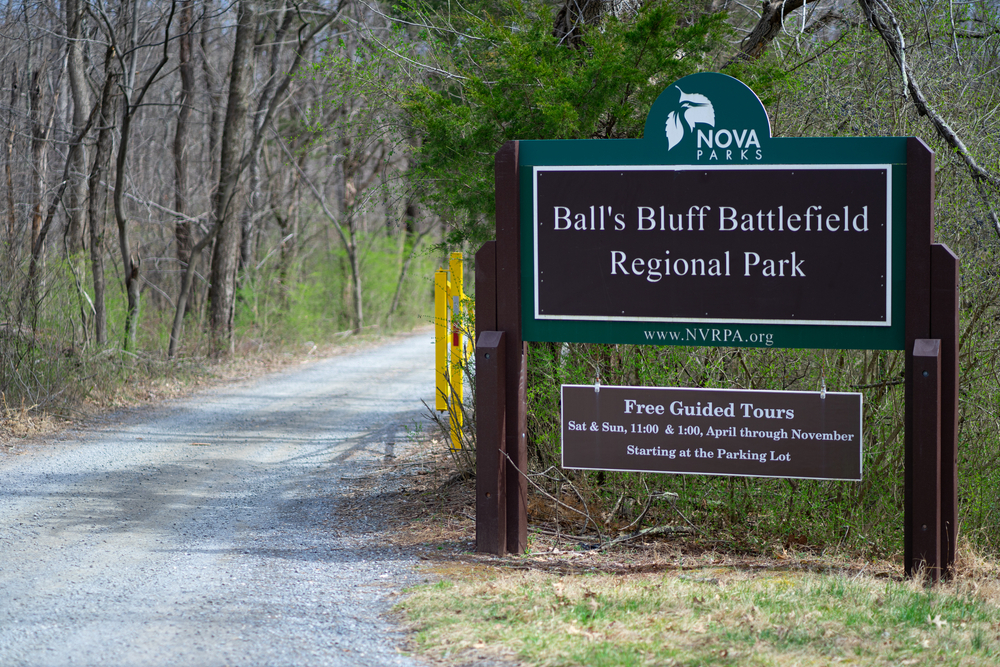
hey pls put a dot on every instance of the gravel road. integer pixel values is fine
(206, 531)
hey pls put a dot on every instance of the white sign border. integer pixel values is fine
(712, 320)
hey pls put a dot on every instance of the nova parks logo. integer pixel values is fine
(693, 110)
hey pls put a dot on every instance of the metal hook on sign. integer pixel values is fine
(822, 390)
(597, 382)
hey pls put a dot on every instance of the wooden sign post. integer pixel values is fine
(708, 231)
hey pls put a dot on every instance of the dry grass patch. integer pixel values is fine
(720, 615)
(679, 601)
(23, 422)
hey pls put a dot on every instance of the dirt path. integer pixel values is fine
(207, 531)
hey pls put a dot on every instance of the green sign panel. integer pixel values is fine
(708, 231)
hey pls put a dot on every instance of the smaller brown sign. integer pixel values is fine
(749, 433)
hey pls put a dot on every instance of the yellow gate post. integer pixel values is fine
(457, 348)
(441, 383)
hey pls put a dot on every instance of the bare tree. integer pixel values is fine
(182, 229)
(131, 102)
(574, 17)
(41, 130)
(98, 201)
(8, 165)
(76, 206)
(772, 20)
(38, 244)
(224, 260)
(270, 98)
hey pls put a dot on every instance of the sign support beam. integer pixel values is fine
(944, 327)
(508, 300)
(491, 460)
(919, 237)
(925, 515)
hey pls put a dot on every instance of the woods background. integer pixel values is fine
(183, 179)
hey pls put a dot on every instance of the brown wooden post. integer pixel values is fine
(925, 519)
(486, 288)
(491, 462)
(919, 237)
(491, 494)
(944, 326)
(508, 272)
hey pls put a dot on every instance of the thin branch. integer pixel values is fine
(954, 37)
(429, 68)
(979, 175)
(375, 10)
(584, 513)
(316, 193)
(968, 34)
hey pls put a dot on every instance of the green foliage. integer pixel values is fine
(50, 363)
(503, 76)
(47, 363)
(315, 305)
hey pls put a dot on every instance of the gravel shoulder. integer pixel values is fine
(226, 528)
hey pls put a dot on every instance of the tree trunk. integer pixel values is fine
(272, 93)
(341, 177)
(352, 255)
(288, 224)
(97, 205)
(224, 259)
(182, 299)
(131, 261)
(267, 100)
(212, 87)
(9, 145)
(250, 212)
(81, 110)
(182, 228)
(27, 296)
(404, 270)
(772, 18)
(40, 131)
(574, 17)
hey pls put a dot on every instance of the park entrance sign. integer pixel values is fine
(676, 250)
(709, 231)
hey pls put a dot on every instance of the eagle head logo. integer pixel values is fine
(694, 108)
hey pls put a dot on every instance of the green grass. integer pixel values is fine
(722, 616)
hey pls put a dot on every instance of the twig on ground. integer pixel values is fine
(652, 530)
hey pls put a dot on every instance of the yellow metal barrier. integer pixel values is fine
(457, 349)
(441, 384)
(449, 306)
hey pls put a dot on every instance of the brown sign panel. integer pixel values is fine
(806, 435)
(802, 244)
